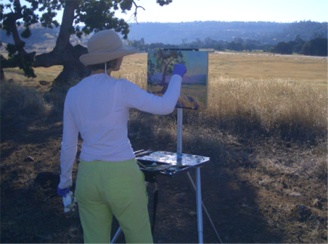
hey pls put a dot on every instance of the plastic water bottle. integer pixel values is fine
(68, 202)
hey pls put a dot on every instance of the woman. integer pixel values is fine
(109, 181)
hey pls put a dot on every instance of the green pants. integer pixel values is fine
(104, 189)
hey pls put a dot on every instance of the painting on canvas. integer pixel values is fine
(194, 84)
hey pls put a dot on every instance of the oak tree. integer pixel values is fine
(80, 17)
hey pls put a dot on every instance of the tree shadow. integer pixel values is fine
(230, 201)
(34, 214)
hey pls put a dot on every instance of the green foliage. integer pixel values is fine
(79, 18)
(126, 5)
(163, 2)
(315, 47)
(26, 33)
(11, 50)
(98, 15)
(283, 48)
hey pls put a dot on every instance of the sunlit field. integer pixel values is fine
(246, 92)
(270, 93)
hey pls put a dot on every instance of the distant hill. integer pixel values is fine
(177, 33)
(266, 33)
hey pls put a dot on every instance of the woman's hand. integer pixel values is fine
(179, 69)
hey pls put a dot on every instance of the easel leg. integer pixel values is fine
(117, 234)
(199, 206)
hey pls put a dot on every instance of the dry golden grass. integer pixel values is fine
(264, 66)
(245, 91)
(42, 74)
(243, 66)
(263, 91)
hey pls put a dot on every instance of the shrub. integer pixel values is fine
(21, 105)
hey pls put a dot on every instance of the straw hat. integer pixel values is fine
(104, 46)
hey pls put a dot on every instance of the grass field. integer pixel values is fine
(231, 65)
(270, 92)
(244, 66)
(264, 129)
(246, 91)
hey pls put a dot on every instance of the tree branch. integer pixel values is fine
(136, 10)
(66, 27)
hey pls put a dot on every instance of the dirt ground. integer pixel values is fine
(263, 191)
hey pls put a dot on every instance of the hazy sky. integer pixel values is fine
(233, 10)
(230, 10)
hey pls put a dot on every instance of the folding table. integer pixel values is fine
(170, 164)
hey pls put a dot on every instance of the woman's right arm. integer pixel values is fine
(135, 97)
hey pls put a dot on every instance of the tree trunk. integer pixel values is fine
(73, 69)
(64, 53)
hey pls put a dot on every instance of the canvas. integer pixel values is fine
(194, 83)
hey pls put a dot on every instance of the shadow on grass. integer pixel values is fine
(230, 200)
(34, 214)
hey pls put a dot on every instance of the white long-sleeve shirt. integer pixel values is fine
(98, 109)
